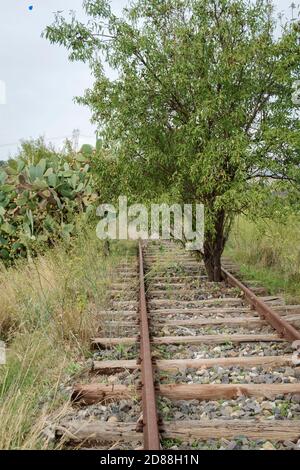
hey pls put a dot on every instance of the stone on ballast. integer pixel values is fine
(268, 446)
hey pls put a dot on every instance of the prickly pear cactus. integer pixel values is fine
(38, 201)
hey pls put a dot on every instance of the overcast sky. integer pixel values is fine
(40, 81)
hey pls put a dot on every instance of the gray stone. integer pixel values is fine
(113, 419)
(289, 444)
(232, 445)
(297, 372)
(296, 398)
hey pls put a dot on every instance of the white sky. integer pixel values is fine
(40, 81)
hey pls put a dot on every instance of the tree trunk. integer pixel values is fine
(212, 261)
(214, 243)
(106, 248)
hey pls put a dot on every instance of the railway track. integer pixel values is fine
(181, 363)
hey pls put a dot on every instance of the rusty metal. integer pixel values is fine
(282, 326)
(150, 417)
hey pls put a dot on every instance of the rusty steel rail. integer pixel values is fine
(282, 326)
(150, 418)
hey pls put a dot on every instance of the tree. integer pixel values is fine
(32, 151)
(87, 149)
(201, 109)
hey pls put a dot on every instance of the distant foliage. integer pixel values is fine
(41, 192)
(87, 149)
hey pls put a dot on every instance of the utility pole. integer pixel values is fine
(75, 139)
(293, 7)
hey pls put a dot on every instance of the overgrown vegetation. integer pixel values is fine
(269, 252)
(48, 313)
(41, 192)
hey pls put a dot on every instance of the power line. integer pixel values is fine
(9, 145)
(50, 139)
(18, 143)
(75, 139)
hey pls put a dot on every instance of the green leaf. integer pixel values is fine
(27, 229)
(22, 201)
(74, 180)
(49, 224)
(21, 165)
(68, 174)
(3, 241)
(52, 180)
(8, 228)
(48, 172)
(41, 166)
(40, 184)
(68, 228)
(7, 188)
(33, 173)
(80, 187)
(3, 177)
(30, 219)
(80, 158)
(66, 191)
(4, 254)
(58, 201)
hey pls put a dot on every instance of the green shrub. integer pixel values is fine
(41, 192)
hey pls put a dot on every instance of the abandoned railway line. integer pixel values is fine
(182, 363)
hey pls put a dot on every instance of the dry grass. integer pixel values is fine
(47, 317)
(269, 252)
